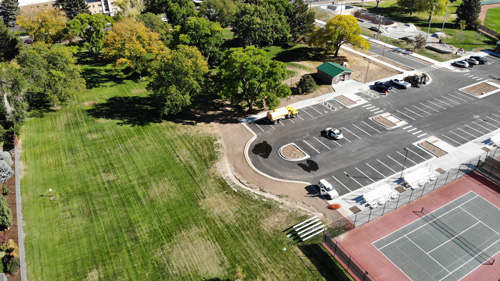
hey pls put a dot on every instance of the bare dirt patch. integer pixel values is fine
(384, 121)
(402, 66)
(138, 91)
(345, 100)
(481, 88)
(291, 151)
(89, 103)
(366, 70)
(433, 148)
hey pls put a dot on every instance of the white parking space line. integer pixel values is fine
(377, 112)
(474, 129)
(414, 163)
(479, 79)
(422, 110)
(376, 108)
(354, 179)
(414, 112)
(341, 183)
(281, 123)
(444, 102)
(463, 95)
(259, 127)
(417, 132)
(316, 110)
(451, 139)
(467, 132)
(322, 143)
(344, 128)
(484, 126)
(369, 126)
(386, 166)
(361, 130)
(329, 106)
(300, 117)
(451, 100)
(457, 98)
(419, 136)
(395, 160)
(473, 76)
(272, 126)
(412, 130)
(346, 139)
(404, 128)
(368, 104)
(495, 115)
(364, 174)
(433, 103)
(458, 136)
(375, 170)
(405, 115)
(493, 119)
(370, 107)
(428, 107)
(307, 113)
(337, 143)
(310, 146)
(416, 153)
(291, 121)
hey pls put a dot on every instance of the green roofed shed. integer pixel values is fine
(333, 73)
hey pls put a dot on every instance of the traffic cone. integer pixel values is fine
(386, 93)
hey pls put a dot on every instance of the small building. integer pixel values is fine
(333, 73)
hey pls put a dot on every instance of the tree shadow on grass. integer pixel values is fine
(299, 54)
(98, 77)
(323, 262)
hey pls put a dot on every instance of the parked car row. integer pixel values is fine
(471, 61)
(387, 86)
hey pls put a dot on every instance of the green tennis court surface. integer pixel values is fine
(446, 244)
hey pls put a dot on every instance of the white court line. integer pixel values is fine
(316, 110)
(414, 112)
(369, 126)
(377, 112)
(386, 166)
(342, 184)
(444, 102)
(394, 160)
(433, 103)
(322, 143)
(427, 254)
(417, 132)
(451, 139)
(405, 115)
(451, 100)
(412, 130)
(484, 126)
(307, 113)
(421, 135)
(404, 128)
(493, 119)
(480, 220)
(259, 127)
(466, 132)
(476, 130)
(368, 104)
(422, 110)
(375, 170)
(428, 107)
(457, 98)
(354, 179)
(458, 136)
(364, 174)
(416, 153)
(463, 95)
(407, 158)
(311, 146)
(454, 236)
(350, 132)
(361, 129)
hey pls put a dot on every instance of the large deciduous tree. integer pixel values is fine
(73, 7)
(203, 34)
(178, 77)
(423, 5)
(9, 11)
(260, 25)
(92, 29)
(248, 76)
(131, 43)
(155, 23)
(221, 11)
(13, 87)
(52, 73)
(338, 31)
(469, 11)
(177, 11)
(44, 25)
(9, 46)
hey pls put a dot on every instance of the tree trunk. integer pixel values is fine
(337, 52)
(250, 106)
(8, 108)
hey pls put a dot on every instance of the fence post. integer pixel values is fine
(446, 180)
(411, 194)
(370, 214)
(397, 203)
(423, 189)
(458, 170)
(435, 183)
(349, 262)
(383, 210)
(355, 217)
(338, 231)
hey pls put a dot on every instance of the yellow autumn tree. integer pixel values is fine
(44, 25)
(132, 43)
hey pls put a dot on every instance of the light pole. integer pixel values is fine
(447, 4)
(430, 20)
(380, 17)
(404, 162)
(367, 68)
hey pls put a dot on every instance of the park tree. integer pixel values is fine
(221, 11)
(9, 11)
(92, 29)
(247, 76)
(51, 72)
(157, 25)
(131, 43)
(203, 34)
(300, 19)
(73, 8)
(260, 25)
(177, 11)
(9, 46)
(338, 31)
(44, 25)
(13, 87)
(129, 8)
(5, 212)
(423, 6)
(178, 77)
(469, 11)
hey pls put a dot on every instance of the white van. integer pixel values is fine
(326, 189)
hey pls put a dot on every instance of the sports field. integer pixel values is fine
(138, 198)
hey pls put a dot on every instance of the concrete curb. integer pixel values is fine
(22, 251)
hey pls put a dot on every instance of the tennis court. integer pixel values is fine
(448, 243)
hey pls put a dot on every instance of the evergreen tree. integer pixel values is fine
(73, 7)
(8, 43)
(5, 214)
(9, 11)
(469, 12)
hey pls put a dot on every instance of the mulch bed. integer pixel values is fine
(384, 121)
(400, 189)
(291, 151)
(433, 149)
(345, 100)
(481, 88)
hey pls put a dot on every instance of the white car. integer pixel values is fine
(326, 189)
(400, 83)
(332, 133)
(461, 63)
(472, 61)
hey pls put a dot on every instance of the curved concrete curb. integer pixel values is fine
(293, 159)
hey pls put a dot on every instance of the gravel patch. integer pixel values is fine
(433, 149)
(291, 151)
(345, 100)
(384, 121)
(482, 88)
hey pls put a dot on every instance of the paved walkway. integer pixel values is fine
(22, 252)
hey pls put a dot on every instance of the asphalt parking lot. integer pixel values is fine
(369, 152)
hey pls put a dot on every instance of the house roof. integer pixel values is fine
(332, 69)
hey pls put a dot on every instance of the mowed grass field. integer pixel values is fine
(492, 19)
(141, 200)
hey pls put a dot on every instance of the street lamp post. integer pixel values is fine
(430, 20)
(447, 4)
(380, 17)
(404, 162)
(367, 68)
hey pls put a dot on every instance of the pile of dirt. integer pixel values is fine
(481, 89)
(291, 151)
(433, 148)
(383, 121)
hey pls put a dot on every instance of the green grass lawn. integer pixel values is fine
(138, 198)
(492, 19)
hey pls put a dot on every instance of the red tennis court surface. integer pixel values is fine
(358, 242)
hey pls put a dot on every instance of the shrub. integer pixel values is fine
(5, 191)
(306, 84)
(5, 214)
(10, 265)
